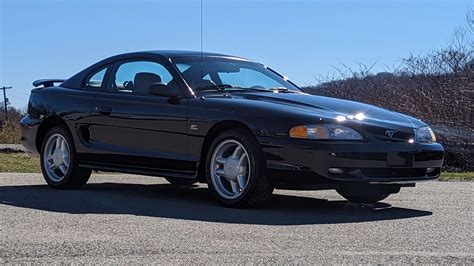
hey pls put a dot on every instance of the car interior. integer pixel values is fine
(140, 83)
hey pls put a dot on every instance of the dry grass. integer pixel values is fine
(19, 162)
(453, 176)
(10, 133)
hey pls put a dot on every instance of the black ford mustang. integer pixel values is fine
(235, 124)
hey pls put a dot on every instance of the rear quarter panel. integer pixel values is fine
(71, 105)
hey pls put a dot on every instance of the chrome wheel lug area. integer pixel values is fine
(57, 158)
(231, 168)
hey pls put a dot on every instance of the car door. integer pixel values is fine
(131, 128)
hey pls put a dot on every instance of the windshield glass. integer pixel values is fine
(229, 74)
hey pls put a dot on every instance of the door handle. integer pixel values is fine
(104, 110)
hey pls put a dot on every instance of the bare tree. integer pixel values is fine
(437, 87)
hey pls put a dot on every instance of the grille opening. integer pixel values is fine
(398, 136)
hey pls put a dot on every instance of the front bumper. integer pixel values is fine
(371, 162)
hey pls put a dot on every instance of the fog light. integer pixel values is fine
(336, 170)
(430, 170)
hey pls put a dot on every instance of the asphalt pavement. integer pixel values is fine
(137, 219)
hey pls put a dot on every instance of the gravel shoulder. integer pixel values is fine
(136, 219)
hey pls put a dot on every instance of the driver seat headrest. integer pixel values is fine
(143, 80)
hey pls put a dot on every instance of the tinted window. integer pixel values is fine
(97, 79)
(183, 67)
(247, 78)
(136, 77)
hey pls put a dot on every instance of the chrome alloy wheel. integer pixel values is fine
(56, 157)
(230, 169)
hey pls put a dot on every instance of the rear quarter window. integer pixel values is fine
(96, 79)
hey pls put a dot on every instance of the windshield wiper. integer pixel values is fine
(274, 90)
(220, 87)
(223, 87)
(279, 89)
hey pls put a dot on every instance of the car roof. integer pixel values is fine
(170, 54)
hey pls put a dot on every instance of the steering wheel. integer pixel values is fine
(128, 84)
(257, 87)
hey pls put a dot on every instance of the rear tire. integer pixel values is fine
(235, 170)
(59, 161)
(181, 181)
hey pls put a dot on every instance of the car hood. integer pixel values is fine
(333, 107)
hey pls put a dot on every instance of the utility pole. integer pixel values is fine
(5, 101)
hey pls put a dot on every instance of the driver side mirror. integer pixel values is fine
(160, 89)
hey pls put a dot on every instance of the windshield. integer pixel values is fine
(229, 74)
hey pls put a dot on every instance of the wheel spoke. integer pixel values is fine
(220, 172)
(50, 151)
(66, 161)
(63, 145)
(241, 181)
(234, 186)
(63, 169)
(221, 160)
(242, 159)
(237, 151)
(57, 144)
(242, 170)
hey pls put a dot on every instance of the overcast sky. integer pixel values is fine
(300, 39)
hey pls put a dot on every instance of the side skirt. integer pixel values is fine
(138, 170)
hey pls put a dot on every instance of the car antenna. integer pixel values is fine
(201, 44)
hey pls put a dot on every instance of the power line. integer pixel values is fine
(22, 93)
(5, 100)
(17, 97)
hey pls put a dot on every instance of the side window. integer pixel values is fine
(136, 77)
(96, 80)
(183, 67)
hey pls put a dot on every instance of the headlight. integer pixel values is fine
(337, 132)
(425, 134)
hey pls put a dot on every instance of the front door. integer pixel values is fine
(130, 127)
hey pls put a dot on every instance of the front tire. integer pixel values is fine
(235, 170)
(59, 161)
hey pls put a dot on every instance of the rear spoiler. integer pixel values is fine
(47, 82)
